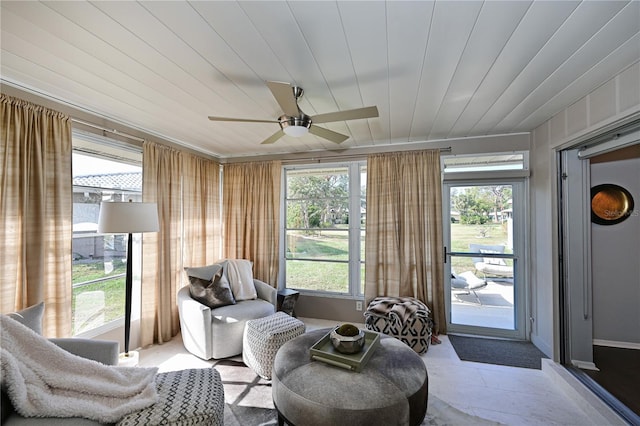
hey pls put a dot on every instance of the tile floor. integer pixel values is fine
(512, 396)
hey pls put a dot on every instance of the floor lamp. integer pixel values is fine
(128, 218)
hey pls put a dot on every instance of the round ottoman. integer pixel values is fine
(391, 389)
(264, 336)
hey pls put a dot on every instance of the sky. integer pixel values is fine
(83, 165)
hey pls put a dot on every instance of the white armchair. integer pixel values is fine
(217, 333)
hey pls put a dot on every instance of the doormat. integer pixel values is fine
(513, 353)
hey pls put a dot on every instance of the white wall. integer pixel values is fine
(615, 102)
(616, 259)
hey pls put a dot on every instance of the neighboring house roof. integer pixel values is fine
(129, 180)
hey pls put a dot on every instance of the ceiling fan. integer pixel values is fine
(296, 123)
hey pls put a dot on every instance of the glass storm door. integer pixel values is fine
(483, 229)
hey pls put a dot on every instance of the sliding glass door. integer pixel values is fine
(484, 258)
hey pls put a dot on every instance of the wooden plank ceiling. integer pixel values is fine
(434, 69)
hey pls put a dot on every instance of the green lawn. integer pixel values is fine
(332, 245)
(463, 235)
(100, 302)
(91, 270)
(323, 276)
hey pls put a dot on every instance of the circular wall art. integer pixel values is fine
(610, 204)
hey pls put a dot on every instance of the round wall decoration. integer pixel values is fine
(610, 204)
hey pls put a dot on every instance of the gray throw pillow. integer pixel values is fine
(31, 317)
(214, 292)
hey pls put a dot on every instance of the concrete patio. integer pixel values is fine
(490, 306)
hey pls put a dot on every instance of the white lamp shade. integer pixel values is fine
(128, 218)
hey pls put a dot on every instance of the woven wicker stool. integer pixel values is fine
(264, 336)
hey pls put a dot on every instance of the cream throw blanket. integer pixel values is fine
(44, 380)
(240, 275)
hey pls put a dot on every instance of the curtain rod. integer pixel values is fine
(114, 131)
(339, 158)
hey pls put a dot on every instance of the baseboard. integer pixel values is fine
(542, 345)
(615, 344)
(590, 403)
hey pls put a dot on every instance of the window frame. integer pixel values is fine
(355, 230)
(103, 148)
(520, 196)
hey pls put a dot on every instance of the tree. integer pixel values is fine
(477, 204)
(317, 200)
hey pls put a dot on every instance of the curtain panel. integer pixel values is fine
(201, 210)
(186, 189)
(36, 212)
(251, 214)
(403, 242)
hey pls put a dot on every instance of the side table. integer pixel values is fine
(287, 300)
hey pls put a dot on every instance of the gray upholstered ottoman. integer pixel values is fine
(187, 398)
(391, 389)
(264, 336)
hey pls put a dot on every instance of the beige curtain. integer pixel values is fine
(403, 243)
(201, 210)
(186, 189)
(36, 212)
(251, 211)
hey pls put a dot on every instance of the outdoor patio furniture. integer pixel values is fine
(467, 283)
(490, 266)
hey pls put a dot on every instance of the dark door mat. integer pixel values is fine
(514, 353)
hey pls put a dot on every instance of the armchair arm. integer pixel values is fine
(266, 292)
(104, 351)
(195, 324)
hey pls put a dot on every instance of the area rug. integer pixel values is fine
(513, 353)
(248, 401)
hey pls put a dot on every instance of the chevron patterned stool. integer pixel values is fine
(185, 398)
(264, 336)
(412, 326)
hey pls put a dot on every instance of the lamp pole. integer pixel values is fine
(128, 218)
(128, 294)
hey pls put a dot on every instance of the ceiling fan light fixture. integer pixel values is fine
(295, 126)
(296, 131)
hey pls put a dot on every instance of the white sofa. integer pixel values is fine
(217, 333)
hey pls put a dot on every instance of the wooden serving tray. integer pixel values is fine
(324, 351)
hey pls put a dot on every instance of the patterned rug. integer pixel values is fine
(248, 401)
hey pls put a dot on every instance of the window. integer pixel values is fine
(484, 162)
(325, 211)
(99, 261)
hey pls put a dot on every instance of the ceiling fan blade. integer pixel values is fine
(283, 92)
(350, 114)
(274, 137)
(334, 137)
(243, 120)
